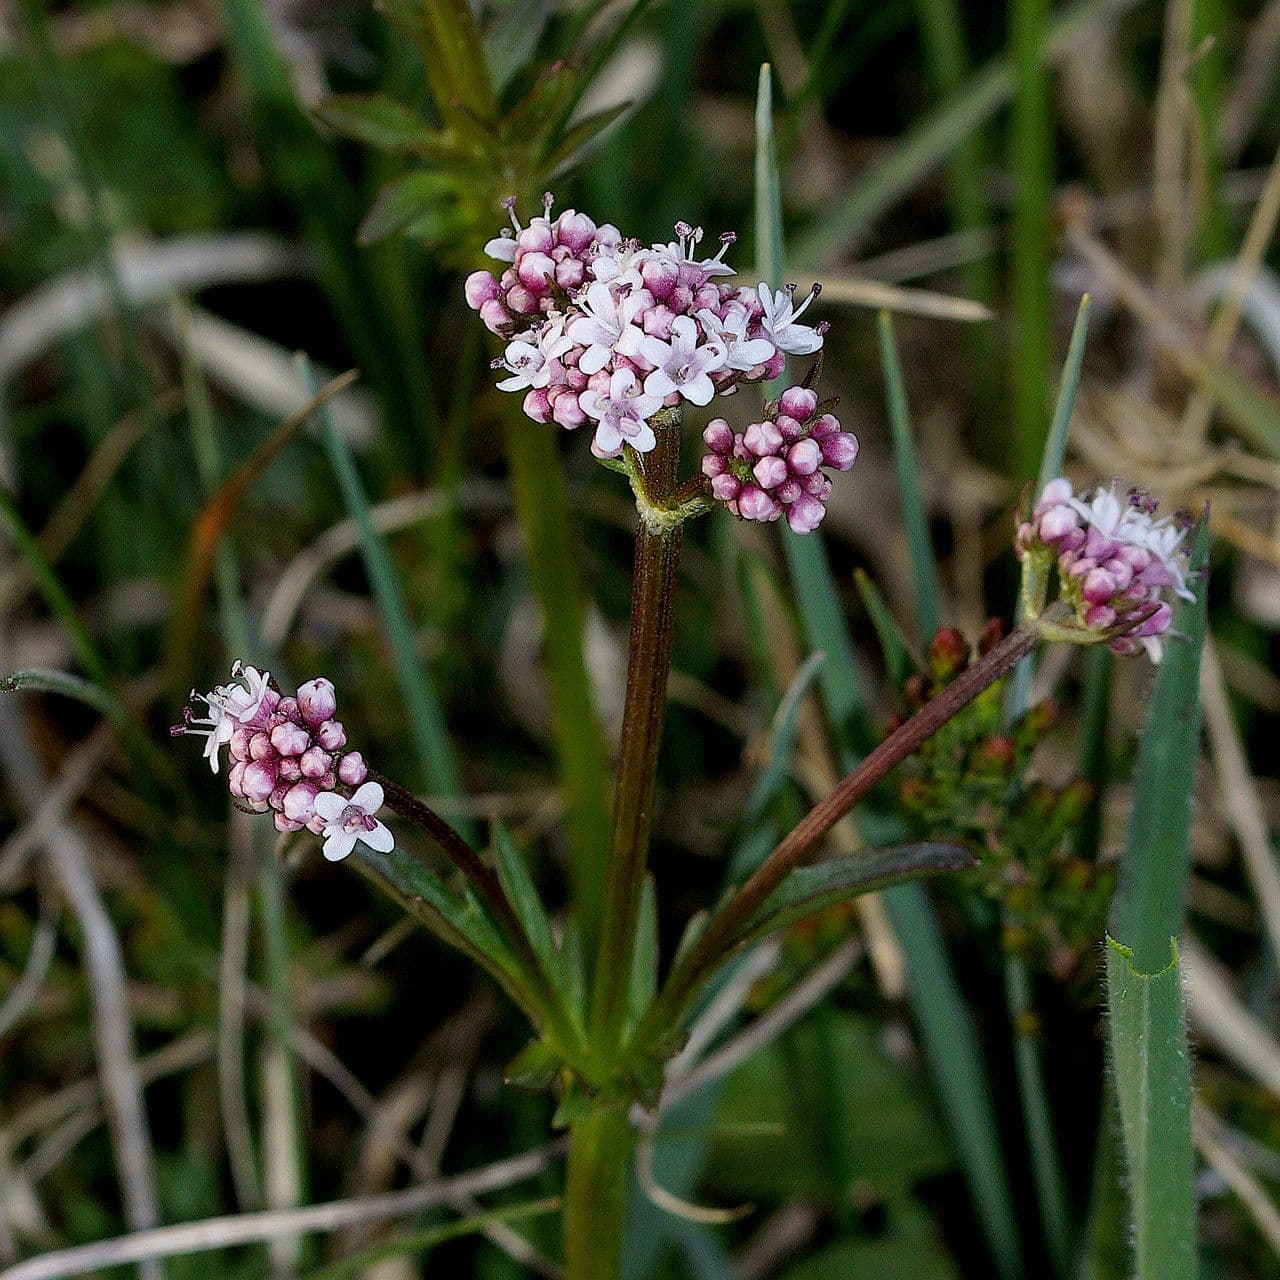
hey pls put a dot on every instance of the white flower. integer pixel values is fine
(619, 265)
(1163, 538)
(683, 250)
(741, 353)
(346, 821)
(606, 325)
(622, 415)
(528, 357)
(228, 707)
(779, 320)
(681, 364)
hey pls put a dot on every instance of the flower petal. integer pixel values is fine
(369, 797)
(380, 839)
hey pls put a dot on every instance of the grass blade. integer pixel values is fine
(426, 721)
(1150, 902)
(1148, 1035)
(925, 147)
(942, 1013)
(924, 565)
(1054, 457)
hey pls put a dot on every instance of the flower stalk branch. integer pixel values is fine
(720, 932)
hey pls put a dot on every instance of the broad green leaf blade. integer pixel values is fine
(1148, 1035)
(924, 565)
(811, 889)
(1151, 897)
(382, 122)
(523, 896)
(426, 721)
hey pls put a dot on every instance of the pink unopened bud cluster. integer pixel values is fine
(1117, 562)
(284, 751)
(602, 329)
(775, 467)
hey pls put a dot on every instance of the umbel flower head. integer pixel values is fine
(1118, 562)
(603, 330)
(288, 757)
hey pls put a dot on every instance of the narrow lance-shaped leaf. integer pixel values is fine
(1151, 897)
(1148, 1035)
(523, 895)
(384, 123)
(811, 889)
(924, 566)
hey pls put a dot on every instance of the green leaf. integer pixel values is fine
(426, 720)
(810, 889)
(421, 199)
(1055, 446)
(537, 1066)
(382, 122)
(644, 967)
(1148, 1035)
(523, 895)
(583, 136)
(894, 650)
(1150, 900)
(924, 565)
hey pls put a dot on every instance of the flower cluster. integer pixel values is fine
(775, 466)
(601, 329)
(1117, 562)
(288, 756)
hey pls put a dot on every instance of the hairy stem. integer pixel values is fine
(595, 1194)
(653, 596)
(727, 923)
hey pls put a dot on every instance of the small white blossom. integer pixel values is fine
(607, 325)
(348, 821)
(622, 415)
(527, 358)
(779, 320)
(741, 353)
(681, 364)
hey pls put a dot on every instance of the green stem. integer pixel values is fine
(653, 595)
(595, 1194)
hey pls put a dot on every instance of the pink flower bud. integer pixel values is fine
(762, 438)
(277, 796)
(717, 436)
(289, 770)
(315, 763)
(789, 490)
(496, 317)
(799, 402)
(537, 405)
(570, 274)
(537, 237)
(568, 412)
(331, 735)
(1157, 624)
(300, 802)
(290, 739)
(805, 514)
(352, 769)
(536, 272)
(235, 779)
(726, 487)
(1099, 586)
(258, 781)
(317, 701)
(1099, 617)
(1058, 521)
(840, 450)
(660, 276)
(522, 300)
(575, 230)
(827, 425)
(260, 747)
(755, 504)
(239, 743)
(480, 287)
(284, 824)
(805, 457)
(770, 472)
(791, 430)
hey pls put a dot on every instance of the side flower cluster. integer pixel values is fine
(288, 756)
(776, 466)
(603, 330)
(1118, 562)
